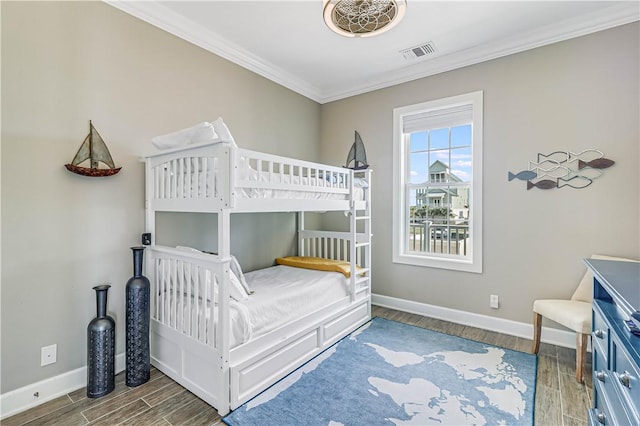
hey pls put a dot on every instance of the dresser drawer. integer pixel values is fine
(591, 417)
(608, 408)
(600, 367)
(626, 377)
(600, 333)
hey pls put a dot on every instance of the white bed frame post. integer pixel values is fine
(360, 243)
(353, 240)
(222, 335)
(224, 252)
(367, 231)
(300, 226)
(150, 222)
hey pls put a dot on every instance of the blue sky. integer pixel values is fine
(426, 148)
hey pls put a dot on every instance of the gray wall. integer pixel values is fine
(64, 63)
(578, 94)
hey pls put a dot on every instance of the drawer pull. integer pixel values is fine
(599, 334)
(600, 375)
(625, 379)
(601, 418)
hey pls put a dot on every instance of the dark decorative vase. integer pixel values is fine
(138, 367)
(101, 348)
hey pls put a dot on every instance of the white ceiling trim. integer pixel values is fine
(162, 17)
(173, 23)
(566, 30)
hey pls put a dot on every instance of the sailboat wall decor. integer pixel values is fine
(357, 158)
(95, 151)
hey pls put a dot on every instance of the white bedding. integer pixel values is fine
(268, 193)
(280, 294)
(199, 175)
(248, 173)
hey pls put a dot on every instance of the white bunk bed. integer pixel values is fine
(191, 312)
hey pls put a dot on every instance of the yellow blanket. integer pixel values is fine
(317, 263)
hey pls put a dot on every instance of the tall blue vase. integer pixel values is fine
(138, 366)
(101, 348)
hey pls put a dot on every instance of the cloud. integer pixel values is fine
(462, 174)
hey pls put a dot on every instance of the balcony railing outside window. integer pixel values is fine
(429, 237)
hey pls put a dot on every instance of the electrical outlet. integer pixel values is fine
(494, 301)
(48, 355)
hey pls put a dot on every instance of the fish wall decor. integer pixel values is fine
(542, 184)
(523, 175)
(563, 169)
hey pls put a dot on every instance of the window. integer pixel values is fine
(437, 213)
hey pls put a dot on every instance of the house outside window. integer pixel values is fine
(437, 217)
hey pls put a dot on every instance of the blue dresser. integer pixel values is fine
(616, 352)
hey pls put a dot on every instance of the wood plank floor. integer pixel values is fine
(560, 400)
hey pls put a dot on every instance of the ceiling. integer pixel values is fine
(288, 42)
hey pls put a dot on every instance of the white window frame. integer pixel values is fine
(473, 262)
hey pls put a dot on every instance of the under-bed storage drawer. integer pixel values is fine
(252, 375)
(251, 379)
(340, 326)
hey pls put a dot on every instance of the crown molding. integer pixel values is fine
(615, 16)
(158, 15)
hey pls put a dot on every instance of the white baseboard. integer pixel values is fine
(22, 399)
(513, 328)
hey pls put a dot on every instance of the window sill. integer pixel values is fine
(462, 265)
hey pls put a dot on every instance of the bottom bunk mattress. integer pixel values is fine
(280, 295)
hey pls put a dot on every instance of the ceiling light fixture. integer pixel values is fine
(363, 18)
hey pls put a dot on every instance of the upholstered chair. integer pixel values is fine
(574, 313)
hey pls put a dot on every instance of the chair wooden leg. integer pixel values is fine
(537, 329)
(581, 355)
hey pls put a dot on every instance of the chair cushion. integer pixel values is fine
(572, 314)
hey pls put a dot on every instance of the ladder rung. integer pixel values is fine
(363, 217)
(363, 244)
(362, 279)
(362, 289)
(362, 271)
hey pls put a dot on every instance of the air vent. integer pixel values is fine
(419, 52)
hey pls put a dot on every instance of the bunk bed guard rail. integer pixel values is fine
(187, 289)
(209, 177)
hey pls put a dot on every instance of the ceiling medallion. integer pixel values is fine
(363, 18)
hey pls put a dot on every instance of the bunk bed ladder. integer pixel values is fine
(360, 249)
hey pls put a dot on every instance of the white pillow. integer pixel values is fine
(239, 290)
(360, 182)
(201, 132)
(237, 270)
(189, 249)
(236, 290)
(222, 131)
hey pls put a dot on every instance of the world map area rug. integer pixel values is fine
(389, 373)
